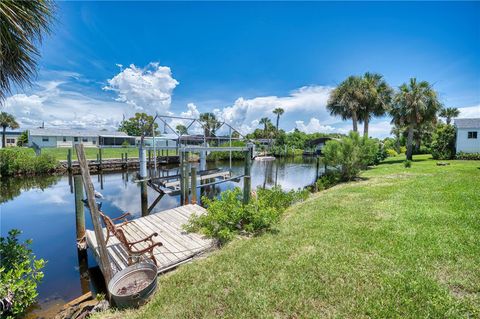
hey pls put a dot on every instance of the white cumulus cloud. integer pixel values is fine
(314, 126)
(469, 112)
(147, 89)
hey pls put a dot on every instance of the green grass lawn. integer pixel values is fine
(401, 243)
(91, 153)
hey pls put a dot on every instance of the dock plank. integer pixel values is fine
(178, 247)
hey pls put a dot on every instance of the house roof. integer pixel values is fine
(319, 140)
(467, 123)
(79, 133)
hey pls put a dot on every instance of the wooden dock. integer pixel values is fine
(178, 245)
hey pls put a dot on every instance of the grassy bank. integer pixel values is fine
(91, 153)
(402, 242)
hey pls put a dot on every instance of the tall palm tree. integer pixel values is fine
(279, 112)
(345, 100)
(414, 104)
(210, 123)
(449, 113)
(265, 121)
(7, 120)
(22, 25)
(376, 98)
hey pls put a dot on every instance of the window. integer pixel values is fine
(75, 139)
(10, 141)
(94, 141)
(84, 139)
(44, 139)
(472, 134)
(64, 139)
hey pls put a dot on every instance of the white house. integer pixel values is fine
(46, 137)
(468, 135)
(11, 138)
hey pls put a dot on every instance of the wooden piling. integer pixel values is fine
(194, 185)
(69, 160)
(79, 211)
(182, 180)
(100, 158)
(97, 226)
(247, 183)
(144, 198)
(185, 175)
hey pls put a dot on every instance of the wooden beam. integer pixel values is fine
(88, 185)
(194, 185)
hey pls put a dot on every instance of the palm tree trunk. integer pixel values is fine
(410, 142)
(355, 121)
(278, 120)
(3, 136)
(448, 120)
(365, 126)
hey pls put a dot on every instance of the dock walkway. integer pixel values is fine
(178, 245)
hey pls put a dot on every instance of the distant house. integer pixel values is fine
(11, 138)
(46, 137)
(315, 146)
(468, 135)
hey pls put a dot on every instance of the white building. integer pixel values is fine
(11, 138)
(46, 137)
(468, 135)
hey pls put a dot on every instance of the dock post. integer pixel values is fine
(79, 212)
(88, 185)
(144, 198)
(182, 180)
(194, 185)
(126, 159)
(185, 170)
(247, 182)
(142, 161)
(123, 155)
(100, 157)
(317, 167)
(69, 160)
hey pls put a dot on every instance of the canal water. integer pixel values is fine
(44, 210)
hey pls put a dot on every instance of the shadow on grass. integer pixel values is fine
(403, 160)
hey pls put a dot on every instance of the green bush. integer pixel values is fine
(403, 149)
(468, 156)
(17, 161)
(391, 152)
(351, 154)
(443, 142)
(326, 181)
(407, 163)
(20, 272)
(227, 217)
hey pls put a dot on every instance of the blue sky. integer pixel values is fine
(241, 60)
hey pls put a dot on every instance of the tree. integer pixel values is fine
(279, 112)
(22, 26)
(181, 129)
(210, 124)
(138, 125)
(7, 120)
(345, 99)
(266, 122)
(448, 113)
(414, 104)
(443, 142)
(23, 139)
(376, 98)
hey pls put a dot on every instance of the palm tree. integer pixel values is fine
(278, 111)
(7, 120)
(22, 26)
(210, 123)
(265, 121)
(345, 100)
(181, 129)
(377, 96)
(414, 104)
(449, 113)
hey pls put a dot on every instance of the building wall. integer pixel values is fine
(43, 141)
(62, 141)
(465, 144)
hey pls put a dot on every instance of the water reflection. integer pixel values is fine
(44, 209)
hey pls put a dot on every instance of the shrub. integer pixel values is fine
(403, 149)
(20, 272)
(326, 181)
(227, 217)
(391, 152)
(407, 163)
(16, 160)
(443, 143)
(468, 156)
(351, 154)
